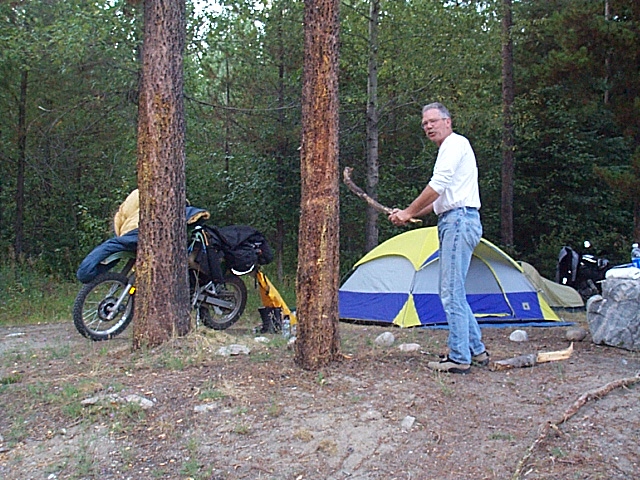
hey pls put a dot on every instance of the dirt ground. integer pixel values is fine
(378, 414)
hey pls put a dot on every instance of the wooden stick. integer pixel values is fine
(378, 207)
(596, 394)
(520, 361)
(532, 359)
(553, 356)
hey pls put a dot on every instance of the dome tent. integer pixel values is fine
(397, 283)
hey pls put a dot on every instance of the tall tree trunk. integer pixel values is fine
(162, 298)
(636, 220)
(607, 58)
(227, 116)
(371, 228)
(281, 148)
(508, 142)
(18, 245)
(318, 245)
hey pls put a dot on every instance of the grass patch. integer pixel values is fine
(11, 379)
(172, 362)
(121, 417)
(84, 463)
(501, 436)
(29, 297)
(193, 468)
(260, 357)
(275, 409)
(242, 429)
(210, 393)
(58, 352)
(441, 380)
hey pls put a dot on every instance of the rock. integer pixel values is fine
(207, 407)
(261, 340)
(142, 401)
(614, 317)
(145, 403)
(590, 300)
(234, 349)
(519, 336)
(407, 422)
(409, 347)
(111, 398)
(576, 334)
(385, 339)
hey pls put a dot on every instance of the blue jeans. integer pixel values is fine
(459, 232)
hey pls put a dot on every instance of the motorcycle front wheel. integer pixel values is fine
(96, 300)
(216, 317)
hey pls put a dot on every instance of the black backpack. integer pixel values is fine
(241, 246)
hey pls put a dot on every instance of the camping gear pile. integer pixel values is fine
(276, 316)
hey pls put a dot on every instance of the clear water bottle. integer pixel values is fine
(635, 255)
(286, 324)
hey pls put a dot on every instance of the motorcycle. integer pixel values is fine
(582, 271)
(218, 257)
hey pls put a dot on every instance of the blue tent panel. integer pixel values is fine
(493, 304)
(429, 308)
(381, 307)
(526, 305)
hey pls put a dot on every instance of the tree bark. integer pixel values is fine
(18, 245)
(318, 242)
(162, 298)
(371, 227)
(281, 149)
(636, 220)
(607, 58)
(508, 142)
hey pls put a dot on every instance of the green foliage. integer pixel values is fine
(566, 135)
(243, 82)
(28, 296)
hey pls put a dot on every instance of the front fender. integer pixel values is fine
(122, 255)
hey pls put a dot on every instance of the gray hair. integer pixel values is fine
(437, 106)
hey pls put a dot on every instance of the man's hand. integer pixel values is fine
(399, 217)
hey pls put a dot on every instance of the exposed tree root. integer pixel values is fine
(570, 412)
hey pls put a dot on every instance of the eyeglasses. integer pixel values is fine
(426, 123)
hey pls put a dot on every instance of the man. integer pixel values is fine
(453, 195)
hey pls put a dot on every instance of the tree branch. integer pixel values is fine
(346, 177)
(570, 412)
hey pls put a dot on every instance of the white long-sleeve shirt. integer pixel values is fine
(455, 175)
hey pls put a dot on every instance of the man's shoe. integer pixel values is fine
(481, 360)
(449, 366)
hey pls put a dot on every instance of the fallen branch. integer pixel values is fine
(596, 394)
(532, 359)
(378, 207)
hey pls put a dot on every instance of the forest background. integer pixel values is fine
(68, 96)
